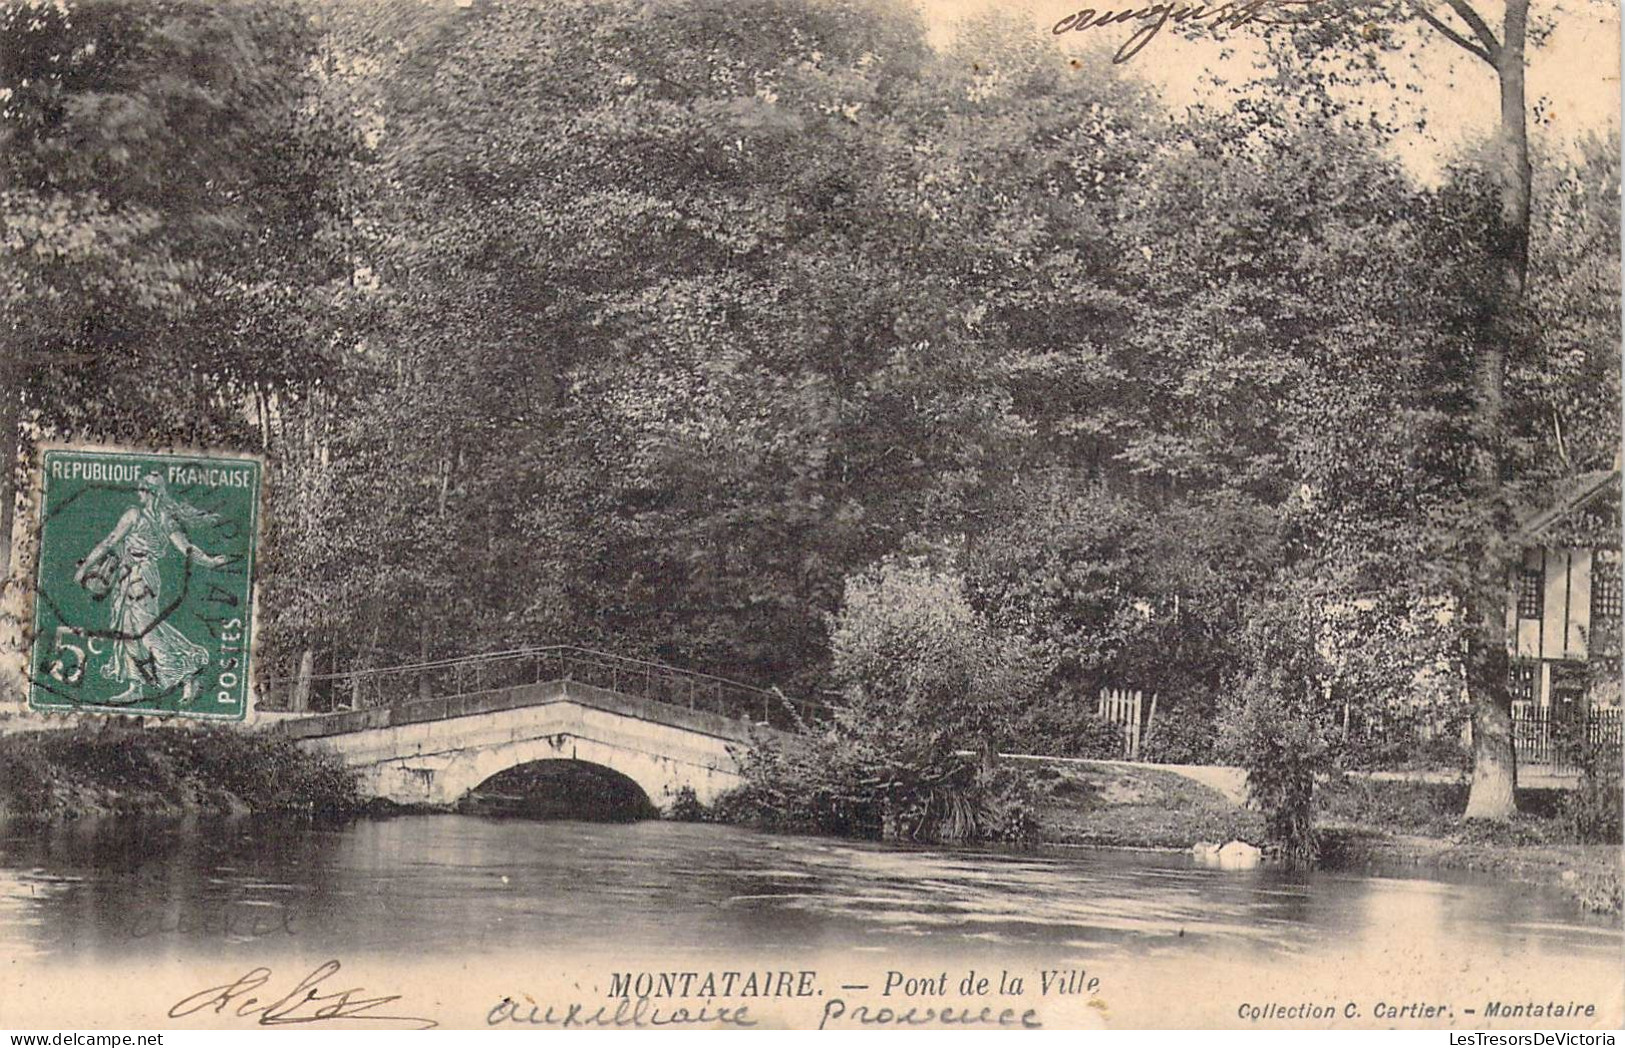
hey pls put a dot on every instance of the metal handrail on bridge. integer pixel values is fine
(493, 671)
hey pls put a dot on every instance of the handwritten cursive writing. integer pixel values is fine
(302, 1004)
(1154, 17)
(227, 924)
(836, 1013)
(628, 1013)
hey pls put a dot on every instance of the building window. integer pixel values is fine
(1521, 682)
(1605, 587)
(1531, 595)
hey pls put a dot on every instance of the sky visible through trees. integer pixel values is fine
(1567, 74)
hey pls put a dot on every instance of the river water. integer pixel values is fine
(434, 888)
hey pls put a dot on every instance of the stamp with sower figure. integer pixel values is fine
(144, 597)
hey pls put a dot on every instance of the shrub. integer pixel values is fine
(1064, 726)
(1281, 752)
(1393, 663)
(921, 668)
(1277, 728)
(25, 781)
(737, 806)
(1398, 742)
(685, 806)
(925, 678)
(840, 784)
(1599, 890)
(1400, 806)
(1184, 733)
(1593, 812)
(47, 774)
(273, 774)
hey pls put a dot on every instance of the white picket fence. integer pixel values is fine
(1127, 709)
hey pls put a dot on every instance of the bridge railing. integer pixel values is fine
(492, 671)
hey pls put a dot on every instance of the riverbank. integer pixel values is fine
(1365, 824)
(117, 769)
(1369, 822)
(1115, 805)
(1589, 873)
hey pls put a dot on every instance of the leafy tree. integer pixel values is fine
(170, 206)
(1563, 391)
(1293, 382)
(716, 363)
(1277, 725)
(1392, 675)
(914, 658)
(1118, 590)
(1494, 335)
(923, 676)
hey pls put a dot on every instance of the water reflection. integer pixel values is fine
(454, 884)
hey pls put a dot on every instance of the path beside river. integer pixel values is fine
(1368, 823)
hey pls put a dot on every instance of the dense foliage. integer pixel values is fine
(844, 784)
(172, 185)
(166, 771)
(1595, 812)
(924, 678)
(775, 340)
(1275, 725)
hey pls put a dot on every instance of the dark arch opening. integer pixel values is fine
(560, 789)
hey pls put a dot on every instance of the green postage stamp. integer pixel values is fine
(144, 601)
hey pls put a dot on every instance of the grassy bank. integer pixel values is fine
(1364, 824)
(1384, 823)
(1107, 804)
(115, 769)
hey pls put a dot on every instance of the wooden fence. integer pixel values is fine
(1561, 739)
(1128, 710)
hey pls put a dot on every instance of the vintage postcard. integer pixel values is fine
(810, 514)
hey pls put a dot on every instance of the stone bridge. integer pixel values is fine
(434, 751)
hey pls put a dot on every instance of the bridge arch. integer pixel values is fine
(658, 777)
(435, 753)
(561, 789)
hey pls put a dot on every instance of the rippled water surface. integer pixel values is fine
(455, 884)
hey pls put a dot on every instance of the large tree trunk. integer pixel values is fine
(1495, 764)
(1495, 775)
(1512, 169)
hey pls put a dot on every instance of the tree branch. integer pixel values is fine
(1465, 12)
(1470, 46)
